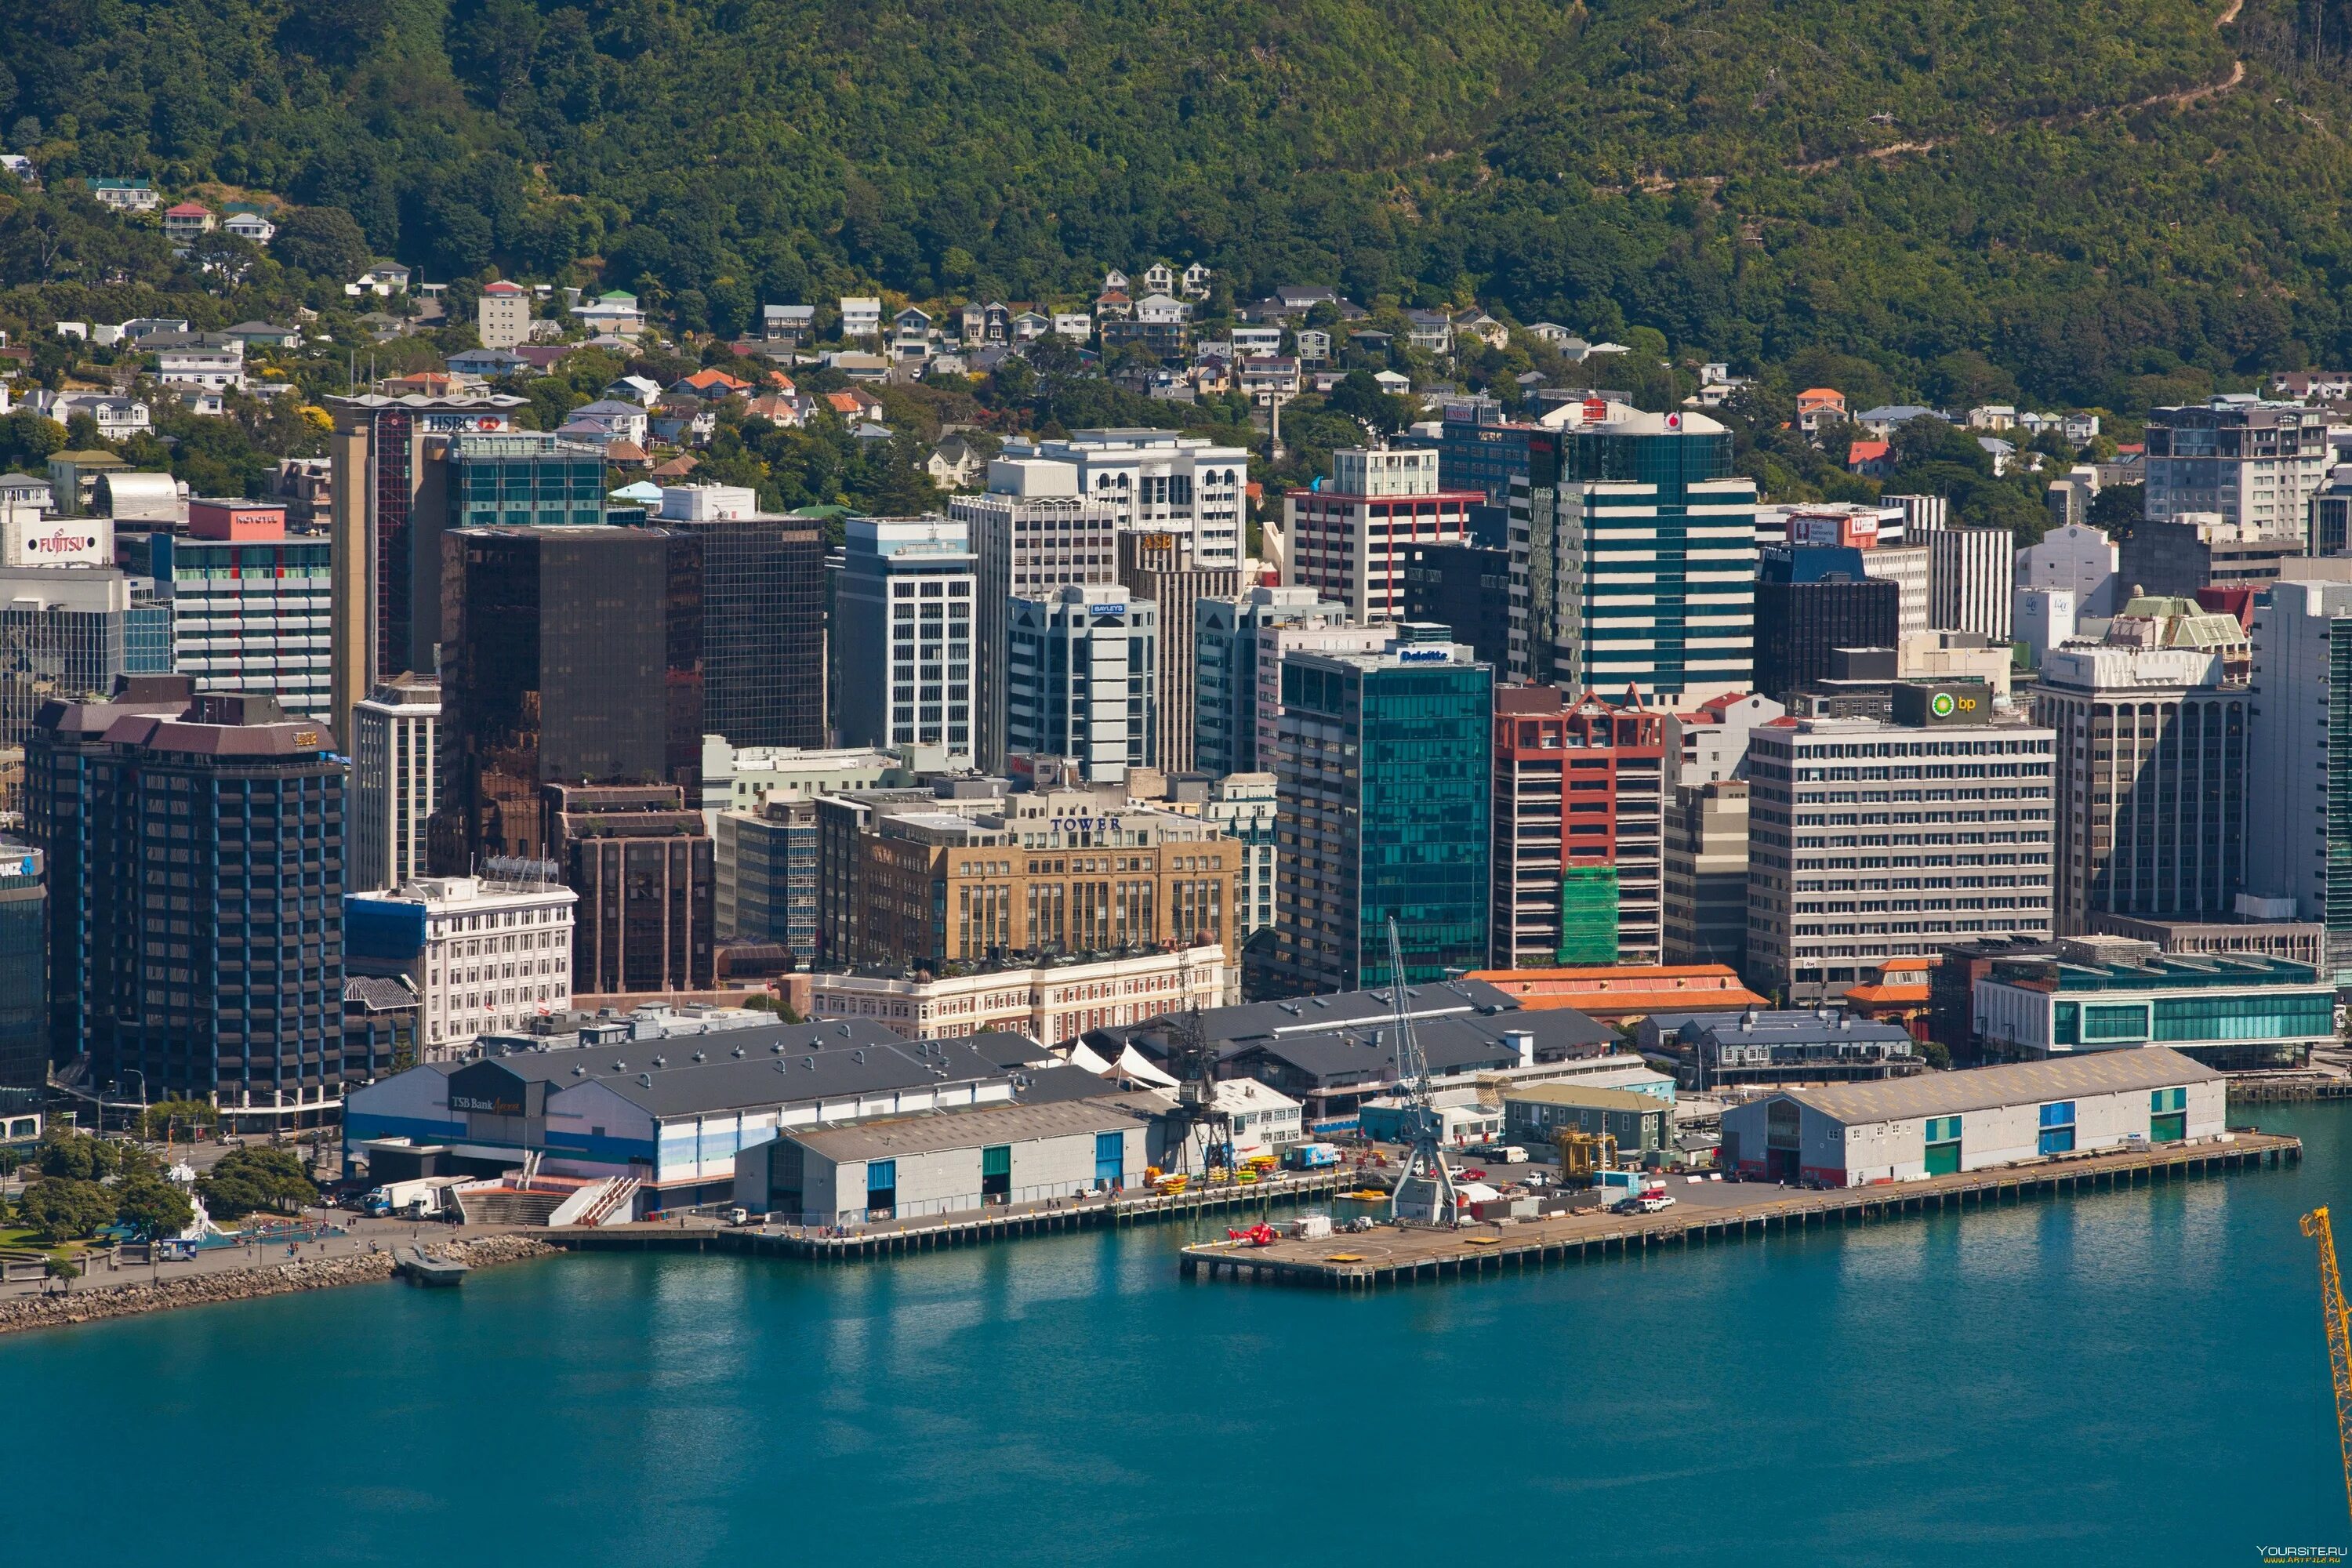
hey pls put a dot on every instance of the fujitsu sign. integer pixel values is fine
(29, 539)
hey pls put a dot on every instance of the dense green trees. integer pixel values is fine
(254, 1177)
(1706, 168)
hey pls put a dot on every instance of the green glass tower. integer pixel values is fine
(1383, 768)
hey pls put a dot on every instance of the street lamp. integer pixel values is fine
(133, 1072)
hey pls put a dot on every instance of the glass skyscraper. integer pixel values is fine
(762, 628)
(1383, 767)
(23, 977)
(66, 631)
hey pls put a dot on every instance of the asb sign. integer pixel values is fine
(29, 539)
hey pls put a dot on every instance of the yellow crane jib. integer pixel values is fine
(2339, 1335)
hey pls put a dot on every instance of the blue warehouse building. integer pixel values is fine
(672, 1112)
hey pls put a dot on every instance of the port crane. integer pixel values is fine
(2332, 1310)
(1424, 1191)
(1194, 1063)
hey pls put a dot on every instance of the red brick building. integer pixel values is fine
(1580, 784)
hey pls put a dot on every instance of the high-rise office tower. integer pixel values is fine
(1225, 640)
(1468, 588)
(1352, 540)
(641, 860)
(1633, 558)
(1576, 785)
(1385, 802)
(1031, 533)
(2299, 763)
(2249, 460)
(208, 885)
(765, 858)
(395, 784)
(62, 754)
(392, 500)
(1869, 840)
(67, 632)
(1811, 599)
(1160, 482)
(1246, 807)
(575, 656)
(1706, 873)
(24, 970)
(1971, 574)
(251, 608)
(1082, 680)
(904, 625)
(762, 616)
(1908, 566)
(1162, 569)
(2152, 726)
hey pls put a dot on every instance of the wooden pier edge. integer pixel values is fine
(969, 1230)
(1453, 1255)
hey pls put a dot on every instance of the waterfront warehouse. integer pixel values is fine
(2230, 1010)
(671, 1113)
(1938, 1123)
(1537, 1114)
(910, 1167)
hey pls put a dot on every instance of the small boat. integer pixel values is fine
(422, 1268)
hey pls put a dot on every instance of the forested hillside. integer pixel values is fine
(1711, 168)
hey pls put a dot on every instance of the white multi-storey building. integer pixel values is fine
(396, 770)
(1869, 841)
(1161, 482)
(1228, 677)
(1049, 1003)
(1244, 807)
(745, 778)
(1970, 577)
(1033, 533)
(496, 955)
(905, 614)
(1351, 539)
(1081, 679)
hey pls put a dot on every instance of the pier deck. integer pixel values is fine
(1390, 1256)
(894, 1238)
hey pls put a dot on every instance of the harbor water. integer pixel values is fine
(2126, 1377)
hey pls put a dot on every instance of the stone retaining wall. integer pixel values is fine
(93, 1305)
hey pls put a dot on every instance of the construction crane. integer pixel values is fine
(2332, 1310)
(1424, 1191)
(1195, 1062)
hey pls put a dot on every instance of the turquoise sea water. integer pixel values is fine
(2125, 1378)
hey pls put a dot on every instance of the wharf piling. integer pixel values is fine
(900, 1237)
(1391, 1256)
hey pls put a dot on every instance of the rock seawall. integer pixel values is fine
(91, 1306)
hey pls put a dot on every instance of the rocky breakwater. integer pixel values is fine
(100, 1302)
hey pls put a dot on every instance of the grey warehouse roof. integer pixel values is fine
(1451, 1045)
(901, 1136)
(785, 1064)
(2023, 1083)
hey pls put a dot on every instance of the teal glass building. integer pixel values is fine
(2230, 1011)
(1383, 772)
(519, 478)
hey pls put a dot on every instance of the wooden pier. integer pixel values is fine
(899, 1237)
(2288, 1090)
(1393, 1256)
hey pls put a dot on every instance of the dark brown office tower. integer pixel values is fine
(574, 656)
(641, 861)
(762, 629)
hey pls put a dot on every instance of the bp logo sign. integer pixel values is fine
(1941, 705)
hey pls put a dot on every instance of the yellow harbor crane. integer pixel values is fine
(2339, 1335)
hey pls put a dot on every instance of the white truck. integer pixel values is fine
(423, 1197)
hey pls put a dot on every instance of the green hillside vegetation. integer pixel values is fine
(1637, 163)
